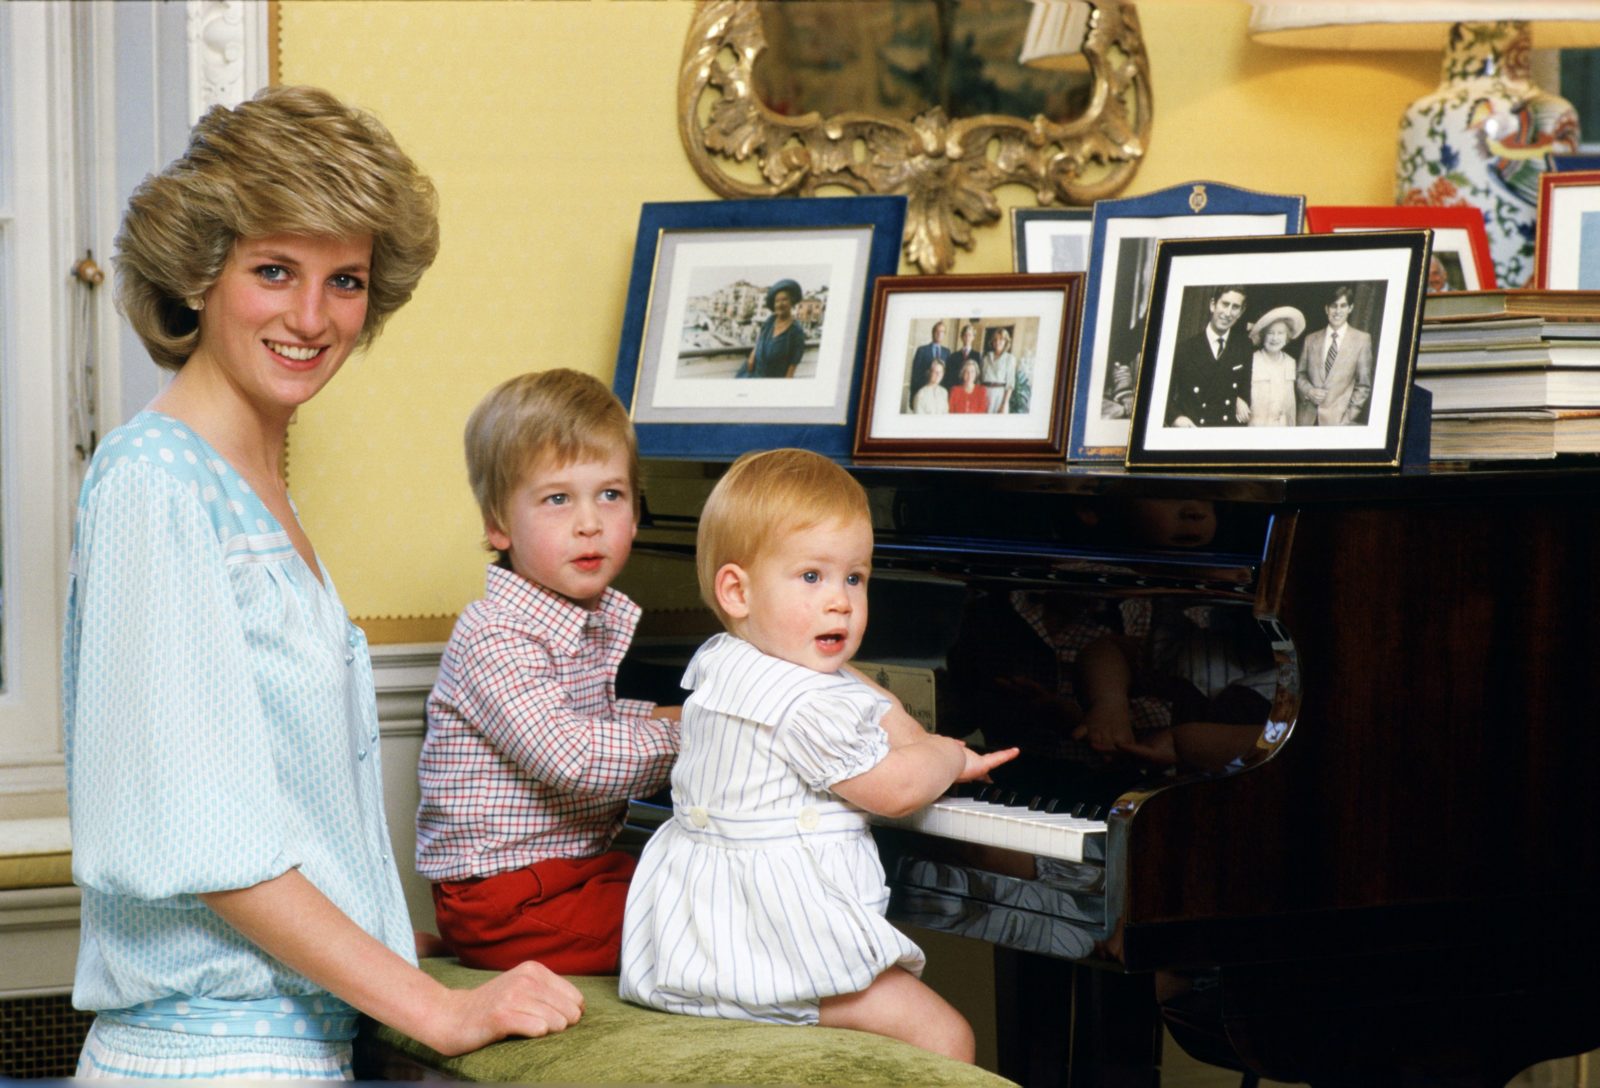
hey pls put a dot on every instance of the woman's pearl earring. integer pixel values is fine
(195, 304)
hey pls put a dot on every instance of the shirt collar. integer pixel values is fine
(564, 621)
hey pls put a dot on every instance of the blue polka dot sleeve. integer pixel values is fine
(173, 784)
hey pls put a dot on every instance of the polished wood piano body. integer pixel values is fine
(1399, 884)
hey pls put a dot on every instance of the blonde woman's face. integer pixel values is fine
(284, 315)
(1276, 336)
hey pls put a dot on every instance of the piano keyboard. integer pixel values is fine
(1012, 827)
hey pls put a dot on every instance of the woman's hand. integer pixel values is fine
(529, 1000)
(290, 919)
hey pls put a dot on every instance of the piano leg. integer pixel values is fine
(1110, 1037)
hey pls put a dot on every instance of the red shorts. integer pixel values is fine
(565, 913)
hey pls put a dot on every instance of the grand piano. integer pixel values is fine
(1376, 860)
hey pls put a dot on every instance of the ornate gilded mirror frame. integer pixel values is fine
(947, 169)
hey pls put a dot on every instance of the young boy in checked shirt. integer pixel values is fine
(530, 758)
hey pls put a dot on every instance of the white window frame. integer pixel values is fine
(114, 112)
(34, 37)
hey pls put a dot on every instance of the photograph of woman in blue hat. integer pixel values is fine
(781, 341)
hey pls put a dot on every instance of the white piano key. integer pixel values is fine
(1054, 835)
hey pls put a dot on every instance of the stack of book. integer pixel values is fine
(1513, 373)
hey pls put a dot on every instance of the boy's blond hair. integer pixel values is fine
(762, 497)
(561, 414)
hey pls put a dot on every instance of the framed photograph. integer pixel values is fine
(1567, 242)
(1294, 351)
(746, 319)
(1051, 239)
(1121, 262)
(969, 367)
(1460, 260)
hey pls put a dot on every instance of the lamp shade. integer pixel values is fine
(1416, 24)
(1055, 34)
(1481, 138)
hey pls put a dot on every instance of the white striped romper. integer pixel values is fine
(764, 892)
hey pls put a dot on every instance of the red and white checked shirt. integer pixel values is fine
(529, 753)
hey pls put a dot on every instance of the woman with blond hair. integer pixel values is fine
(241, 902)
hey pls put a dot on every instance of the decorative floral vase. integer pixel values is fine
(1480, 140)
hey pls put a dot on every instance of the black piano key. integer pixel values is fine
(1053, 804)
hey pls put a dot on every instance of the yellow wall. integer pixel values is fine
(546, 124)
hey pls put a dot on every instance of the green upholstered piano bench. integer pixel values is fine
(618, 1043)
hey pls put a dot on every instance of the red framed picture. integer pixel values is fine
(1460, 260)
(1567, 245)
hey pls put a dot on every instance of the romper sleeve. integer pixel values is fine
(171, 773)
(830, 735)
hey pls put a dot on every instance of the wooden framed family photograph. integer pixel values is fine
(1291, 351)
(746, 319)
(1121, 262)
(1460, 259)
(969, 367)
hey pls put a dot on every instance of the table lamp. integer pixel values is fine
(1481, 137)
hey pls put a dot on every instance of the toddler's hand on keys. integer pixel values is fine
(979, 764)
(528, 1000)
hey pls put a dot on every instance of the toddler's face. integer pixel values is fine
(807, 595)
(570, 527)
(1173, 523)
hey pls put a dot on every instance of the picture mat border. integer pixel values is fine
(1456, 229)
(1558, 248)
(884, 214)
(1363, 257)
(1090, 438)
(1050, 222)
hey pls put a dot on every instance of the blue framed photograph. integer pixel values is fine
(1566, 162)
(746, 322)
(1050, 239)
(1122, 260)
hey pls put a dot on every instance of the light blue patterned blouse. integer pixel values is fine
(221, 728)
